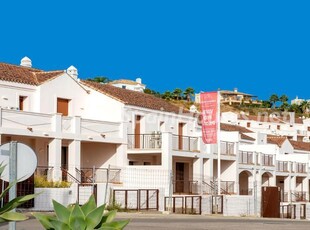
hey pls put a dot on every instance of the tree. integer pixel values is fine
(266, 104)
(99, 79)
(295, 108)
(167, 95)
(177, 93)
(189, 92)
(284, 106)
(305, 106)
(152, 92)
(283, 98)
(274, 99)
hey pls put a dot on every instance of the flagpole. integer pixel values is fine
(218, 143)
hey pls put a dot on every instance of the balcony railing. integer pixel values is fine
(185, 187)
(227, 148)
(282, 166)
(299, 196)
(144, 141)
(245, 157)
(185, 143)
(301, 168)
(267, 160)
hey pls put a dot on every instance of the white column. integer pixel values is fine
(198, 173)
(293, 188)
(121, 155)
(74, 157)
(56, 123)
(166, 155)
(54, 158)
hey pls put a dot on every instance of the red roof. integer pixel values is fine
(25, 75)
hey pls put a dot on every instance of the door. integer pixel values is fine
(271, 202)
(62, 106)
(22, 102)
(180, 134)
(179, 178)
(64, 162)
(137, 131)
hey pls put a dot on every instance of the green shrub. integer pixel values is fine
(42, 182)
(6, 213)
(85, 217)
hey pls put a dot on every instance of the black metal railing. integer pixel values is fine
(267, 160)
(282, 166)
(301, 168)
(185, 186)
(227, 148)
(245, 157)
(185, 143)
(144, 141)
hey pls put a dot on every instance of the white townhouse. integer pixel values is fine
(60, 119)
(83, 131)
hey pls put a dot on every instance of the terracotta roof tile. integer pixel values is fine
(134, 98)
(246, 137)
(276, 140)
(124, 81)
(305, 146)
(25, 75)
(231, 128)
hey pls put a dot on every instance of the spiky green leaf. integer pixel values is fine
(58, 225)
(94, 217)
(45, 220)
(110, 216)
(16, 202)
(116, 225)
(77, 218)
(13, 216)
(89, 206)
(62, 212)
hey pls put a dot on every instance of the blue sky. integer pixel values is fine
(260, 47)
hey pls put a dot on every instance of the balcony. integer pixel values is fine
(185, 143)
(246, 157)
(145, 141)
(300, 168)
(18, 122)
(228, 148)
(267, 160)
(282, 166)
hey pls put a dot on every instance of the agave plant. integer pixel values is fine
(6, 212)
(85, 217)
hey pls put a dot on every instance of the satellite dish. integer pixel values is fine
(26, 161)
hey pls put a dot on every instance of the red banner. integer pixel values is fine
(208, 105)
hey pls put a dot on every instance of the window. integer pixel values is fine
(22, 100)
(248, 124)
(278, 126)
(63, 106)
(123, 86)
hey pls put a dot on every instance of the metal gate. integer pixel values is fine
(85, 191)
(184, 204)
(271, 199)
(217, 204)
(137, 199)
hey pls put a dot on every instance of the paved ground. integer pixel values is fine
(161, 221)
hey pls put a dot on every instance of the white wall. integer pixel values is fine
(99, 155)
(63, 87)
(10, 92)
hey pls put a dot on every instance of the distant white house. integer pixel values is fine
(129, 84)
(298, 101)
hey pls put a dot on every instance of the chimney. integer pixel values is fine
(235, 90)
(72, 71)
(139, 80)
(26, 62)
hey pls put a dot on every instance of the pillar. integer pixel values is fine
(198, 173)
(74, 157)
(54, 159)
